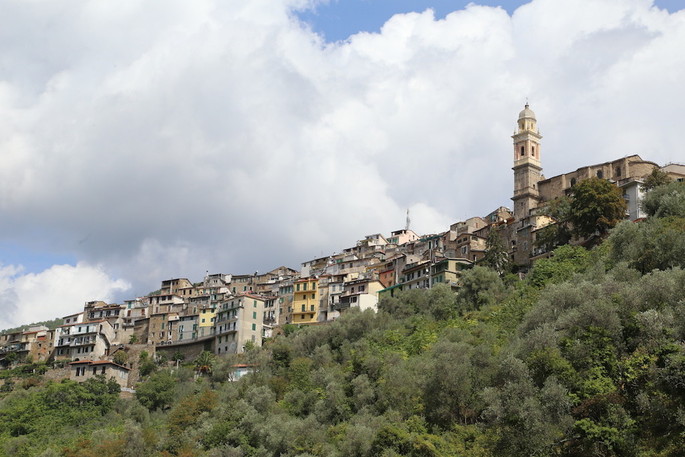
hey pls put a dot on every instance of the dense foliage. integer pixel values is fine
(51, 324)
(584, 356)
(593, 207)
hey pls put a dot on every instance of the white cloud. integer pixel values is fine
(168, 139)
(54, 292)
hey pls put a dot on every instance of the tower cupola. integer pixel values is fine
(527, 121)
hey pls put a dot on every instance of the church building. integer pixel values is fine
(532, 191)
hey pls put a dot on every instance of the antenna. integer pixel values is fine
(408, 220)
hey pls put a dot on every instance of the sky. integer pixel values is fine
(142, 141)
(338, 19)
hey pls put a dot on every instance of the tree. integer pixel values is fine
(655, 179)
(480, 286)
(566, 261)
(557, 233)
(667, 200)
(204, 363)
(657, 243)
(596, 206)
(158, 391)
(496, 253)
(178, 357)
(120, 357)
(11, 357)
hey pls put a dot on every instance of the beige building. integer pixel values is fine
(400, 237)
(239, 320)
(84, 340)
(361, 294)
(532, 190)
(177, 286)
(35, 344)
(416, 275)
(112, 313)
(448, 271)
(83, 370)
(617, 170)
(163, 328)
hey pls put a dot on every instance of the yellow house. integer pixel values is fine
(448, 271)
(207, 317)
(306, 301)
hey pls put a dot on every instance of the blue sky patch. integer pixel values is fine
(32, 261)
(339, 19)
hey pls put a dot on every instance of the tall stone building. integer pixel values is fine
(532, 190)
(527, 167)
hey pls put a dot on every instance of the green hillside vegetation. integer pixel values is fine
(51, 324)
(583, 357)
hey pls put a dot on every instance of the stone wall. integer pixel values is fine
(190, 350)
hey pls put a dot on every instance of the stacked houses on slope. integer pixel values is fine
(226, 313)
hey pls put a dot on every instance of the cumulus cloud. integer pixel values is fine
(167, 139)
(55, 292)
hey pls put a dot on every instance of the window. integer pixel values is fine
(254, 327)
(522, 151)
(600, 174)
(304, 307)
(573, 182)
(313, 296)
(103, 370)
(254, 315)
(311, 308)
(618, 171)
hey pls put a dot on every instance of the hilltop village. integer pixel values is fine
(226, 313)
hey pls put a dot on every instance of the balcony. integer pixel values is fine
(83, 342)
(307, 310)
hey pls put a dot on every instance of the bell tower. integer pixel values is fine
(527, 168)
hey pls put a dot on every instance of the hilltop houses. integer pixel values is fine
(227, 313)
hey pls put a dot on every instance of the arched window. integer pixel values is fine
(600, 174)
(573, 182)
(522, 151)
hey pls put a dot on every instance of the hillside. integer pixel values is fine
(584, 356)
